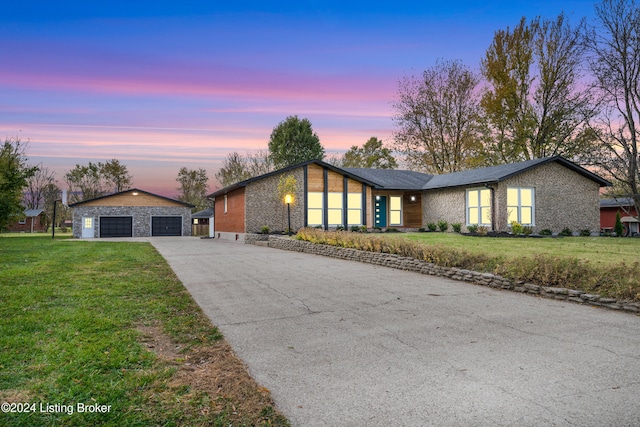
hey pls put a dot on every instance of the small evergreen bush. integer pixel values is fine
(443, 225)
(456, 227)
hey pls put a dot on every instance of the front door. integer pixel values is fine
(380, 211)
(87, 227)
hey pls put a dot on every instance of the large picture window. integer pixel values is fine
(354, 209)
(520, 205)
(479, 207)
(334, 209)
(314, 209)
(395, 210)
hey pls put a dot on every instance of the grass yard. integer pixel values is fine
(103, 333)
(604, 251)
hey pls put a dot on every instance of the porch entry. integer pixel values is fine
(380, 211)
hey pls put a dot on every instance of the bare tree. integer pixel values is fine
(437, 116)
(234, 169)
(36, 191)
(614, 46)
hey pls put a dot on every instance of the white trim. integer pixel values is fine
(520, 206)
(479, 206)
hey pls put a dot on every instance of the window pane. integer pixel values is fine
(396, 203)
(526, 197)
(354, 200)
(525, 216)
(395, 218)
(335, 201)
(486, 216)
(473, 215)
(335, 216)
(512, 196)
(512, 212)
(354, 217)
(473, 198)
(485, 197)
(314, 217)
(314, 200)
(88, 222)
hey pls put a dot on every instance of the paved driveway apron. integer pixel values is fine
(341, 343)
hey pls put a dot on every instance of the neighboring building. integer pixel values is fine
(550, 193)
(200, 222)
(33, 221)
(131, 213)
(628, 215)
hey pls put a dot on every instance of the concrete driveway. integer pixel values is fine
(341, 343)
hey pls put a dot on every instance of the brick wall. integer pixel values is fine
(233, 219)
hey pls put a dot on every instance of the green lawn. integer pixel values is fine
(596, 250)
(69, 318)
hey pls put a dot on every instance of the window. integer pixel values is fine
(354, 210)
(195, 221)
(225, 203)
(87, 222)
(22, 221)
(479, 207)
(334, 208)
(314, 209)
(520, 205)
(395, 210)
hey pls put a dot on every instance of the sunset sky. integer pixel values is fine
(165, 84)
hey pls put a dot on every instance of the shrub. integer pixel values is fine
(516, 227)
(392, 230)
(443, 225)
(431, 226)
(482, 230)
(422, 229)
(566, 232)
(456, 227)
(265, 229)
(618, 228)
(472, 228)
(546, 232)
(585, 233)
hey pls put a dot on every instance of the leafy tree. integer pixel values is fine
(293, 141)
(193, 187)
(14, 176)
(97, 179)
(614, 48)
(373, 154)
(439, 128)
(533, 105)
(115, 175)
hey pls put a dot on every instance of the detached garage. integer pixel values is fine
(131, 213)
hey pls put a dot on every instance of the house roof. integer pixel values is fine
(246, 182)
(616, 203)
(131, 190)
(495, 174)
(395, 179)
(33, 212)
(206, 213)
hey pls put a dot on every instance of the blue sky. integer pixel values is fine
(160, 85)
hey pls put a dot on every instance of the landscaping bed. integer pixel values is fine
(590, 267)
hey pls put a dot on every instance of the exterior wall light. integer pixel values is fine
(288, 199)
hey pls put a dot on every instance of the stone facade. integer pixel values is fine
(141, 217)
(423, 267)
(563, 199)
(446, 204)
(263, 206)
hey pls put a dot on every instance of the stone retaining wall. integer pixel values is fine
(418, 266)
